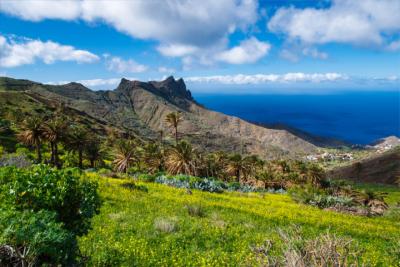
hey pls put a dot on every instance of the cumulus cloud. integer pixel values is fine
(176, 50)
(119, 65)
(249, 51)
(14, 53)
(268, 78)
(365, 22)
(181, 28)
(184, 22)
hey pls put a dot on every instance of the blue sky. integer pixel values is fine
(241, 45)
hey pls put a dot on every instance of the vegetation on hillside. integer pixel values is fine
(202, 221)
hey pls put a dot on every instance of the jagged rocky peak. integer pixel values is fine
(169, 88)
(173, 88)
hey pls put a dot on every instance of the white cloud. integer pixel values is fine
(182, 28)
(365, 22)
(268, 78)
(163, 69)
(249, 51)
(315, 53)
(14, 53)
(119, 65)
(185, 22)
(176, 50)
(42, 9)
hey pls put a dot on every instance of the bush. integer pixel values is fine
(318, 197)
(74, 200)
(165, 225)
(324, 250)
(133, 186)
(145, 177)
(34, 238)
(196, 210)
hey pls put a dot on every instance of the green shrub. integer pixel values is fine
(146, 177)
(133, 186)
(74, 200)
(34, 238)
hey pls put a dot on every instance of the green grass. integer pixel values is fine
(124, 233)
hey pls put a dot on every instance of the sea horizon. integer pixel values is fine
(357, 117)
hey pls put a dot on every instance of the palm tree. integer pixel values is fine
(237, 166)
(254, 164)
(78, 139)
(31, 134)
(124, 155)
(153, 157)
(315, 174)
(94, 152)
(54, 132)
(181, 159)
(173, 119)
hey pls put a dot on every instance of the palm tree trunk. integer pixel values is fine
(38, 152)
(91, 163)
(176, 135)
(238, 176)
(52, 153)
(56, 155)
(80, 158)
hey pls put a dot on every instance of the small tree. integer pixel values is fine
(55, 131)
(125, 155)
(181, 159)
(174, 119)
(31, 133)
(77, 140)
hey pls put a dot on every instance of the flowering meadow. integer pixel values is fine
(148, 224)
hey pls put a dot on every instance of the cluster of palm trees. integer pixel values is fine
(158, 156)
(37, 131)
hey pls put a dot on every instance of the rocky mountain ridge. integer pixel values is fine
(141, 107)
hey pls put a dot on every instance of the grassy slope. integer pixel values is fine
(124, 234)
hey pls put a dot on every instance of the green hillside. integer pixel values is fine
(151, 226)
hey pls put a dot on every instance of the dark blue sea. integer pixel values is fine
(356, 117)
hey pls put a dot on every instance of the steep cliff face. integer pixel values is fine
(142, 106)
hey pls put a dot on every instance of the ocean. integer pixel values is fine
(355, 117)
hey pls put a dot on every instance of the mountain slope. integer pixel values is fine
(141, 107)
(381, 168)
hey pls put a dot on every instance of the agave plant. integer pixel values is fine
(173, 119)
(31, 133)
(181, 159)
(125, 155)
